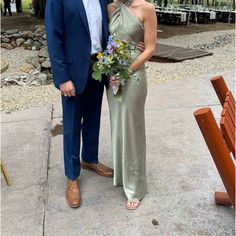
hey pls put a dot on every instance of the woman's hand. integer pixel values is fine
(141, 46)
(114, 81)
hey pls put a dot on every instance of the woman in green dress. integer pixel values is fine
(133, 20)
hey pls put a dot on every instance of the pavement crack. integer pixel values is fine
(45, 188)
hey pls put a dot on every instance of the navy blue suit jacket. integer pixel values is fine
(69, 42)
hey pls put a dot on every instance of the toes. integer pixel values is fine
(132, 205)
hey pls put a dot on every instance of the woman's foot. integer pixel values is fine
(133, 204)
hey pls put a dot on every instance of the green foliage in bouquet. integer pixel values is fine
(115, 60)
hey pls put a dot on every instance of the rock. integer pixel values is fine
(35, 82)
(27, 67)
(4, 65)
(46, 64)
(37, 36)
(41, 59)
(3, 31)
(40, 29)
(7, 46)
(19, 42)
(35, 63)
(35, 72)
(27, 34)
(43, 52)
(42, 79)
(41, 40)
(50, 76)
(15, 36)
(44, 37)
(12, 31)
(6, 40)
(23, 77)
(4, 45)
(28, 42)
(13, 43)
(10, 81)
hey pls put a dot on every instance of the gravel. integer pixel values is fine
(16, 58)
(223, 58)
(221, 44)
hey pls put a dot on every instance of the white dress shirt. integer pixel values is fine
(94, 16)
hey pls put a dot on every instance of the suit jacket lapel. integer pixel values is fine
(80, 7)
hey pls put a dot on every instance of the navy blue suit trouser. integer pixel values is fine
(81, 114)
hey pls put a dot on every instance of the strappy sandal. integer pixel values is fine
(133, 204)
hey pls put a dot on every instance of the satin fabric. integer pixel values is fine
(127, 115)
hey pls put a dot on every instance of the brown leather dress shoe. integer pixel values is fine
(98, 168)
(73, 193)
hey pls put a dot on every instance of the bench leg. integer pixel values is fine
(219, 152)
(222, 198)
(5, 173)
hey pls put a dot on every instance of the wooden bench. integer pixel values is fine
(221, 140)
(227, 122)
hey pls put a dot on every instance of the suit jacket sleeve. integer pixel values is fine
(54, 31)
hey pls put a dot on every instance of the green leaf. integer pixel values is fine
(97, 75)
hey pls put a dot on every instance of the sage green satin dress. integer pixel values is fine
(127, 116)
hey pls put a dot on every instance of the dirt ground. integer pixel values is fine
(25, 22)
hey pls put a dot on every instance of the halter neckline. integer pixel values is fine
(126, 2)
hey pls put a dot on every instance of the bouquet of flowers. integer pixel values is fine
(115, 61)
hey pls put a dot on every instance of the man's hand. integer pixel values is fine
(68, 89)
(141, 46)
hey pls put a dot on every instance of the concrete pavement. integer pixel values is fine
(182, 177)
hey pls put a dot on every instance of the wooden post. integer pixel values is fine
(218, 149)
(220, 88)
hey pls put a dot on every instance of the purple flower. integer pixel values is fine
(110, 49)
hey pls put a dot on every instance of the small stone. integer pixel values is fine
(35, 83)
(41, 59)
(13, 43)
(15, 36)
(35, 62)
(39, 28)
(23, 77)
(7, 46)
(27, 68)
(19, 42)
(155, 222)
(46, 64)
(4, 45)
(43, 52)
(44, 37)
(6, 40)
(35, 72)
(3, 31)
(42, 79)
(34, 48)
(28, 41)
(50, 76)
(27, 34)
(12, 31)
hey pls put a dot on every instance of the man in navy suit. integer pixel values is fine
(76, 31)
